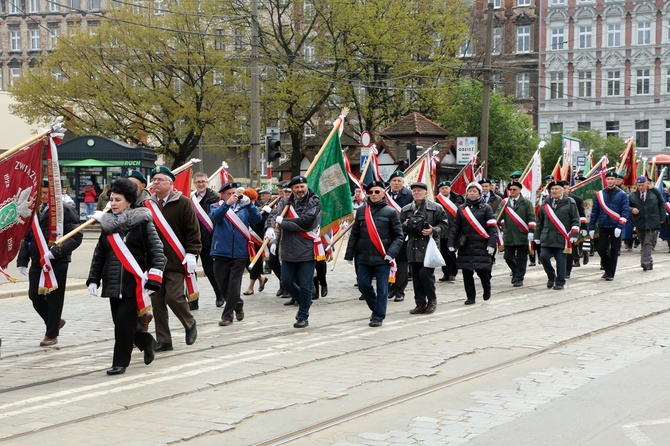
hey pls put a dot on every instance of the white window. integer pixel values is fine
(643, 33)
(642, 81)
(614, 35)
(523, 86)
(585, 86)
(15, 40)
(556, 85)
(308, 8)
(53, 5)
(158, 7)
(309, 53)
(14, 6)
(496, 84)
(667, 81)
(239, 41)
(95, 5)
(523, 3)
(557, 38)
(54, 34)
(14, 75)
(614, 83)
(75, 5)
(35, 40)
(217, 77)
(497, 40)
(309, 131)
(558, 2)
(585, 36)
(33, 5)
(465, 49)
(667, 129)
(523, 39)
(642, 133)
(612, 129)
(57, 74)
(219, 42)
(497, 4)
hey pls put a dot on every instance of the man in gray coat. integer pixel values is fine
(421, 220)
(647, 207)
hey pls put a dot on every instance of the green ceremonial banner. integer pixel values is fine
(330, 181)
(588, 194)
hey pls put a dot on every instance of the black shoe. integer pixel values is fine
(116, 370)
(150, 352)
(609, 279)
(361, 297)
(419, 309)
(375, 323)
(644, 267)
(315, 293)
(191, 334)
(399, 298)
(163, 347)
(576, 264)
(193, 305)
(324, 291)
(486, 296)
(443, 279)
(558, 287)
(280, 292)
(550, 283)
(604, 276)
(291, 302)
(301, 323)
(650, 267)
(261, 284)
(518, 284)
(452, 279)
(469, 302)
(531, 264)
(567, 276)
(220, 302)
(586, 259)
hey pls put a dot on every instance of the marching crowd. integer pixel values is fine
(146, 256)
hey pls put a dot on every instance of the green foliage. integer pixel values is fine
(512, 139)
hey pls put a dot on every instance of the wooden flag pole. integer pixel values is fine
(337, 253)
(338, 236)
(266, 241)
(525, 171)
(336, 127)
(185, 166)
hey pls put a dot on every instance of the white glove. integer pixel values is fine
(273, 249)
(592, 233)
(617, 233)
(388, 259)
(584, 232)
(490, 250)
(50, 255)
(279, 219)
(98, 215)
(93, 289)
(452, 249)
(573, 238)
(351, 262)
(191, 263)
(267, 209)
(245, 200)
(537, 241)
(23, 270)
(270, 234)
(531, 237)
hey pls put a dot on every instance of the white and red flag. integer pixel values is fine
(532, 181)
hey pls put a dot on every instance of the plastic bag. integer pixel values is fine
(433, 258)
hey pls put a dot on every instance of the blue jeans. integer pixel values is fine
(296, 279)
(376, 301)
(546, 254)
(90, 209)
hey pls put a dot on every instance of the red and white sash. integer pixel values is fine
(244, 230)
(258, 241)
(447, 204)
(613, 215)
(47, 281)
(313, 235)
(130, 264)
(515, 217)
(202, 215)
(467, 213)
(392, 202)
(377, 242)
(558, 224)
(169, 235)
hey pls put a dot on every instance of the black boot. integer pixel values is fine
(315, 290)
(291, 302)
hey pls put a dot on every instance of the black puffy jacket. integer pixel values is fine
(388, 227)
(434, 215)
(140, 236)
(472, 252)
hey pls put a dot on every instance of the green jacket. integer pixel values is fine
(546, 232)
(652, 210)
(513, 235)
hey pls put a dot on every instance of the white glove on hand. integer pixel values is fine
(537, 241)
(279, 219)
(617, 233)
(245, 200)
(531, 237)
(452, 249)
(273, 249)
(490, 250)
(191, 263)
(98, 215)
(592, 233)
(388, 259)
(23, 270)
(267, 209)
(270, 234)
(573, 238)
(93, 289)
(584, 232)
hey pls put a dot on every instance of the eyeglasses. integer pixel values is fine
(375, 192)
(159, 180)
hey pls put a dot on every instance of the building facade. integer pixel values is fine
(604, 64)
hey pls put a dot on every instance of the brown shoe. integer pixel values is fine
(48, 342)
(430, 307)
(61, 324)
(239, 315)
(225, 323)
(419, 309)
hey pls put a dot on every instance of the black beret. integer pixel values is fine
(485, 181)
(229, 185)
(514, 183)
(555, 183)
(297, 180)
(611, 175)
(374, 183)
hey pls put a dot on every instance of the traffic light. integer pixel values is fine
(272, 148)
(411, 152)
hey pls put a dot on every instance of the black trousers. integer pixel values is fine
(321, 269)
(450, 268)
(516, 257)
(229, 274)
(257, 270)
(208, 268)
(48, 306)
(469, 282)
(275, 265)
(608, 250)
(126, 330)
(423, 281)
(573, 259)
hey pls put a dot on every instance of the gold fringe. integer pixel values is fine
(146, 309)
(347, 218)
(501, 248)
(11, 278)
(391, 279)
(194, 296)
(43, 290)
(567, 251)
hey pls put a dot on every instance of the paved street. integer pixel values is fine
(531, 366)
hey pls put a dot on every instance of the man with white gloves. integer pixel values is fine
(49, 306)
(518, 226)
(179, 231)
(611, 210)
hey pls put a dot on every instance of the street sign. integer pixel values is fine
(466, 148)
(366, 139)
(365, 154)
(581, 161)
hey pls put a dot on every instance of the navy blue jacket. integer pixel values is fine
(227, 241)
(616, 200)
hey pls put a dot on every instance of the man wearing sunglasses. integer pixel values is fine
(375, 240)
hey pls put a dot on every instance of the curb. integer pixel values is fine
(24, 292)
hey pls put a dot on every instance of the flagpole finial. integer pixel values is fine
(224, 164)
(344, 112)
(541, 145)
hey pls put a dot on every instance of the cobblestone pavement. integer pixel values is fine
(260, 378)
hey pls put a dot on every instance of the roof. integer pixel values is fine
(414, 124)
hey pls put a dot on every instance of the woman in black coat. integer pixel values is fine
(474, 234)
(127, 279)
